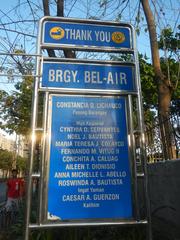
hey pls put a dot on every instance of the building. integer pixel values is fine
(18, 144)
(7, 143)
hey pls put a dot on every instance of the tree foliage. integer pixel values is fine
(16, 107)
(170, 41)
(6, 160)
(149, 89)
(21, 163)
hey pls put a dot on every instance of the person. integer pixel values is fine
(14, 191)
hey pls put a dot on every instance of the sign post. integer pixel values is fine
(92, 117)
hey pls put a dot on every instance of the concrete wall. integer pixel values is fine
(164, 189)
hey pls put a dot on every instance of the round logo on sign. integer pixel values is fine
(57, 33)
(118, 37)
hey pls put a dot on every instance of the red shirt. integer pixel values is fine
(14, 187)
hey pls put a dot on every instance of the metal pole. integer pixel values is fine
(136, 205)
(43, 158)
(28, 196)
(86, 223)
(142, 139)
(33, 125)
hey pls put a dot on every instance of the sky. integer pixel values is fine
(166, 14)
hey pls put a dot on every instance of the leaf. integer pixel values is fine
(138, 31)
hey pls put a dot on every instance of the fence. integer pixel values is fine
(155, 142)
(7, 218)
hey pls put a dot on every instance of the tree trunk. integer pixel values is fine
(51, 52)
(46, 7)
(60, 8)
(163, 85)
(60, 12)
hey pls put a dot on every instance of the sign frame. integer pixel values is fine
(85, 22)
(55, 221)
(104, 64)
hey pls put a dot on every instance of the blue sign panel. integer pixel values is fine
(85, 35)
(89, 173)
(87, 76)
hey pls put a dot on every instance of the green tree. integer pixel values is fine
(6, 159)
(165, 86)
(170, 43)
(21, 163)
(164, 83)
(16, 107)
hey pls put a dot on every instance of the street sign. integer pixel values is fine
(87, 76)
(89, 172)
(86, 34)
(87, 168)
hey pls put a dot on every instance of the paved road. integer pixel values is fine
(2, 192)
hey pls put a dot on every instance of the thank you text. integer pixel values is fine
(85, 34)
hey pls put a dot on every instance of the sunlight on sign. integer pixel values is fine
(129, 140)
(33, 137)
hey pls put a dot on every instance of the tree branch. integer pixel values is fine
(60, 8)
(153, 38)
